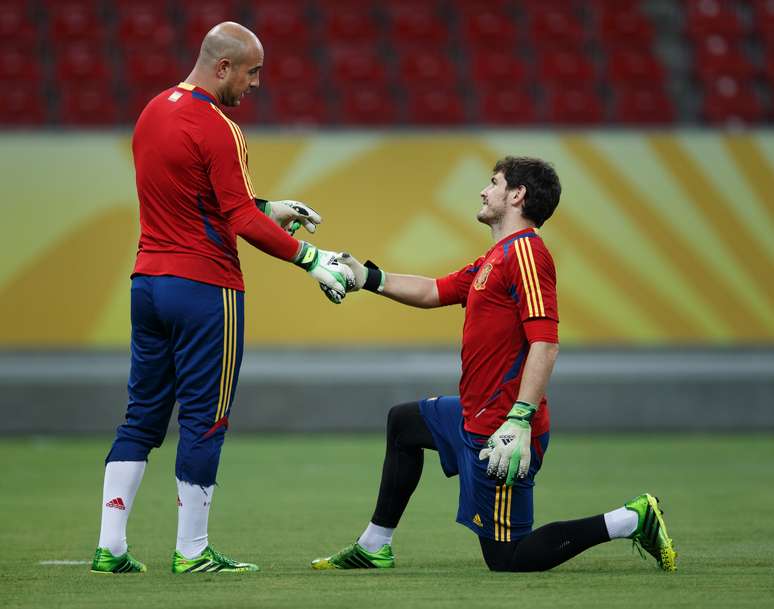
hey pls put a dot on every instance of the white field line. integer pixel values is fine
(64, 562)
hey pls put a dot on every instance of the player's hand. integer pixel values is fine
(368, 275)
(291, 215)
(334, 278)
(508, 449)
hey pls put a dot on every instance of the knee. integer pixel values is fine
(398, 418)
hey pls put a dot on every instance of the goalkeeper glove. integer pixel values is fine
(290, 215)
(508, 449)
(334, 278)
(367, 276)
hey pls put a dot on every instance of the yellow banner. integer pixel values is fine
(658, 239)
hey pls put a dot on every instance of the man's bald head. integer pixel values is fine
(229, 63)
(229, 40)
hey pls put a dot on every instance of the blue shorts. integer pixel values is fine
(187, 342)
(489, 509)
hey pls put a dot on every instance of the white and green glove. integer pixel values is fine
(335, 279)
(367, 276)
(290, 215)
(508, 448)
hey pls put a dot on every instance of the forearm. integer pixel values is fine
(411, 290)
(537, 371)
(263, 233)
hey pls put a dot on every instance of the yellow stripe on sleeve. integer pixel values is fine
(524, 280)
(538, 291)
(241, 152)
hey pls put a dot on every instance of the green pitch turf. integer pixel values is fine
(283, 501)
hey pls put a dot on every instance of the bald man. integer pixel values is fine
(187, 296)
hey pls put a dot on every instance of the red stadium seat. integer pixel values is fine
(368, 106)
(357, 66)
(728, 100)
(146, 27)
(574, 106)
(350, 26)
(705, 17)
(493, 67)
(634, 67)
(153, 70)
(88, 105)
(280, 26)
(298, 106)
(564, 67)
(717, 55)
(16, 64)
(427, 68)
(625, 29)
(201, 17)
(552, 27)
(507, 107)
(81, 62)
(417, 26)
(21, 105)
(16, 26)
(72, 21)
(487, 27)
(763, 20)
(643, 106)
(435, 107)
(294, 69)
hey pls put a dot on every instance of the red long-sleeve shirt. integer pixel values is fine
(195, 192)
(509, 295)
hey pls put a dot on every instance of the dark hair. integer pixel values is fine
(540, 180)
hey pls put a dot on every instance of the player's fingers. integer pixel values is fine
(514, 467)
(311, 227)
(502, 469)
(494, 462)
(484, 453)
(524, 462)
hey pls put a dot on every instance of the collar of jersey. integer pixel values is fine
(525, 232)
(198, 92)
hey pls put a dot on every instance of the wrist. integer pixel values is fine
(375, 278)
(522, 411)
(307, 256)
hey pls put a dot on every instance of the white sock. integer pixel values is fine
(374, 537)
(122, 479)
(620, 523)
(193, 511)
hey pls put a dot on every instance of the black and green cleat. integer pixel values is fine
(209, 561)
(651, 533)
(105, 562)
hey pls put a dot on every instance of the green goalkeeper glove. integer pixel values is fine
(290, 215)
(367, 276)
(508, 449)
(334, 278)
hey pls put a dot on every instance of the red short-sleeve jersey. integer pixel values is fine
(509, 295)
(192, 183)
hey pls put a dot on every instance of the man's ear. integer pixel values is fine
(518, 195)
(222, 67)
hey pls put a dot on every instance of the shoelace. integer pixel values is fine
(224, 559)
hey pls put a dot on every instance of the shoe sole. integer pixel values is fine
(668, 554)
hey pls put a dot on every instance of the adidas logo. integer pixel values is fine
(117, 503)
(477, 521)
(179, 503)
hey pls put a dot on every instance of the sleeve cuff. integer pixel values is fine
(542, 330)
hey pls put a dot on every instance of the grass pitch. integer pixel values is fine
(283, 501)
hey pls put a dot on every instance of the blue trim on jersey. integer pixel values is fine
(516, 368)
(510, 241)
(513, 293)
(212, 234)
(473, 269)
(201, 96)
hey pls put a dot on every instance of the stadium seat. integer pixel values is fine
(88, 105)
(435, 106)
(644, 106)
(146, 27)
(356, 65)
(417, 26)
(494, 67)
(728, 100)
(629, 67)
(81, 62)
(498, 106)
(704, 17)
(282, 26)
(555, 26)
(16, 64)
(153, 70)
(763, 20)
(427, 68)
(201, 17)
(488, 28)
(574, 106)
(73, 21)
(16, 26)
(625, 29)
(717, 55)
(21, 105)
(290, 69)
(564, 67)
(350, 26)
(373, 106)
(300, 106)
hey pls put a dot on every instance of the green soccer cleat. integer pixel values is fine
(651, 533)
(209, 561)
(105, 562)
(357, 557)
